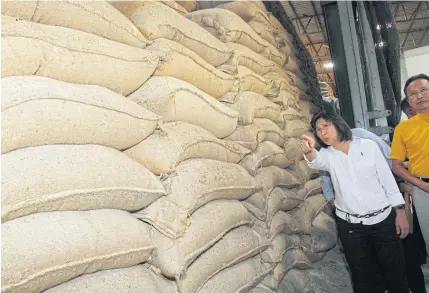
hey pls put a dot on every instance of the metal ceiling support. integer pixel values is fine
(348, 67)
(318, 20)
(424, 35)
(413, 16)
(302, 25)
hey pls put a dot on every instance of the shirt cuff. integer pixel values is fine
(396, 199)
(313, 163)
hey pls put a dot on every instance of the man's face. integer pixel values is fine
(418, 95)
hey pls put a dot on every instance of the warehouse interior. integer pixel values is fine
(157, 146)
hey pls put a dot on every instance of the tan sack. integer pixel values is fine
(176, 6)
(229, 27)
(188, 5)
(251, 105)
(94, 17)
(174, 256)
(175, 142)
(73, 56)
(176, 100)
(38, 110)
(266, 154)
(134, 279)
(197, 71)
(239, 278)
(236, 246)
(156, 20)
(195, 183)
(262, 129)
(74, 177)
(43, 250)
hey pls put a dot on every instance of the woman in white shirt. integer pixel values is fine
(369, 206)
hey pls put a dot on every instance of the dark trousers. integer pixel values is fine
(415, 254)
(372, 250)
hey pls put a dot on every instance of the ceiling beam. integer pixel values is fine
(413, 16)
(302, 25)
(318, 20)
(414, 19)
(424, 35)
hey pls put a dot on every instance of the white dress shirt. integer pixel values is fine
(362, 180)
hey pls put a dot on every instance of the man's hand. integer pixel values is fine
(406, 187)
(402, 226)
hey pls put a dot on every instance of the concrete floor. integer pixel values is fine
(331, 274)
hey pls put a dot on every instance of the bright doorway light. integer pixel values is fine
(328, 65)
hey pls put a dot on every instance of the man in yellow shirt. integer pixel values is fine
(411, 139)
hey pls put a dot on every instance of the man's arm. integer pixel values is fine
(328, 190)
(399, 170)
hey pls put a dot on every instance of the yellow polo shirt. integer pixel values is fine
(411, 139)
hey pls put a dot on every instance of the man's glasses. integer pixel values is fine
(423, 91)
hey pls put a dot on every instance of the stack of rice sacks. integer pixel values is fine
(143, 151)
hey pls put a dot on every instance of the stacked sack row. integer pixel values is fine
(82, 165)
(288, 211)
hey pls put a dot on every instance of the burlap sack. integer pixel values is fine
(195, 183)
(296, 128)
(94, 17)
(250, 136)
(250, 59)
(308, 107)
(310, 188)
(73, 56)
(281, 199)
(176, 6)
(266, 32)
(266, 154)
(279, 246)
(284, 98)
(176, 100)
(252, 82)
(252, 105)
(74, 177)
(43, 250)
(236, 246)
(303, 172)
(273, 176)
(308, 210)
(283, 222)
(283, 82)
(175, 142)
(156, 20)
(296, 281)
(174, 256)
(229, 27)
(260, 289)
(323, 233)
(294, 258)
(188, 5)
(291, 114)
(38, 110)
(197, 71)
(133, 279)
(213, 4)
(293, 150)
(239, 278)
(247, 10)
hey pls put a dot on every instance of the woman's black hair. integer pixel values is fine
(414, 78)
(343, 129)
(405, 105)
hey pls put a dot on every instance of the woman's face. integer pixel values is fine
(326, 131)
